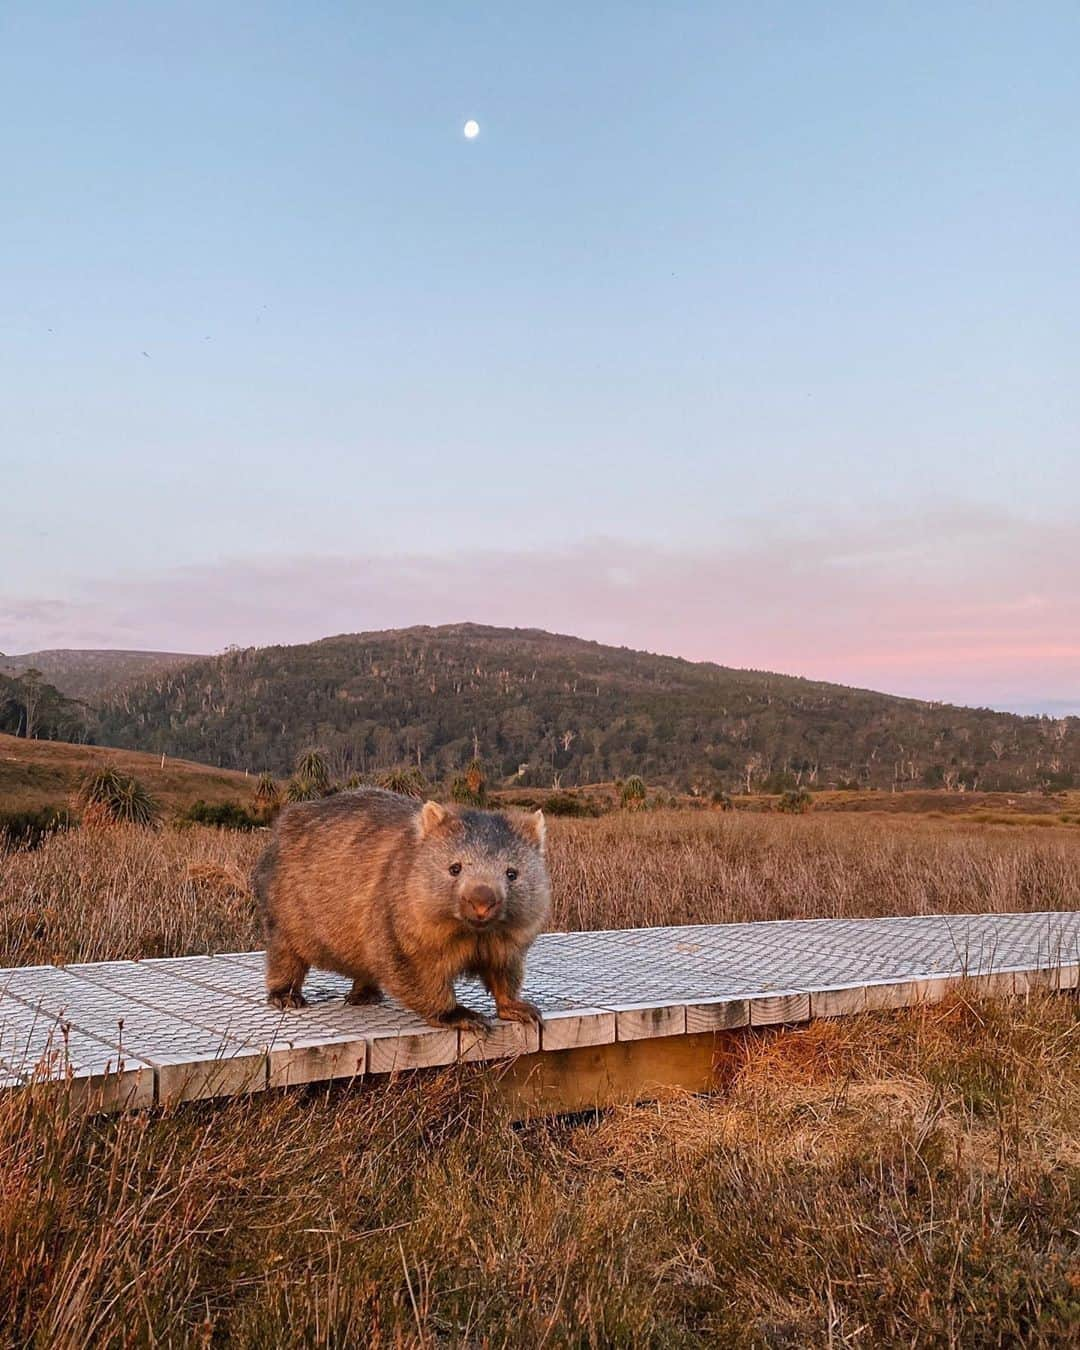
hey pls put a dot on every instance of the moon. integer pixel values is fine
(472, 130)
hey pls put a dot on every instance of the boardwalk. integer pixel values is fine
(137, 1032)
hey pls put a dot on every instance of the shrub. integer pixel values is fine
(267, 796)
(221, 815)
(722, 801)
(410, 782)
(570, 804)
(108, 796)
(28, 829)
(302, 790)
(470, 788)
(795, 802)
(633, 795)
(311, 767)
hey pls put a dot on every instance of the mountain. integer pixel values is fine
(90, 675)
(542, 708)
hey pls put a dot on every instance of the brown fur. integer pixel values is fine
(361, 883)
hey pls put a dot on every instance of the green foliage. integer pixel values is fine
(302, 790)
(722, 801)
(27, 703)
(107, 795)
(221, 815)
(634, 793)
(796, 801)
(410, 782)
(28, 829)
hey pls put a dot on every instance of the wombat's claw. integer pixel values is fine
(359, 998)
(520, 1010)
(463, 1017)
(287, 1001)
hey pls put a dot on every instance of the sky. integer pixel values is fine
(748, 332)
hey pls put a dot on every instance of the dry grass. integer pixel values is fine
(99, 895)
(904, 1179)
(35, 774)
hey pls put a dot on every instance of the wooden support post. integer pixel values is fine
(592, 1076)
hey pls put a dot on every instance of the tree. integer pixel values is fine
(32, 680)
(751, 767)
(634, 793)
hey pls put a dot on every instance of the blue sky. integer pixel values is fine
(766, 311)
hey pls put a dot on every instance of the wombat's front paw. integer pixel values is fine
(359, 998)
(287, 1000)
(519, 1010)
(462, 1017)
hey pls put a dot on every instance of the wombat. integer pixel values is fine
(403, 896)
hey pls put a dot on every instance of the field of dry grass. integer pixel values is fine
(36, 774)
(96, 895)
(898, 1179)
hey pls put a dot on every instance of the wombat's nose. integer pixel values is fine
(480, 904)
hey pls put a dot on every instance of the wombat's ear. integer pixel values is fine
(534, 828)
(432, 815)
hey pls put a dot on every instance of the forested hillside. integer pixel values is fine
(542, 709)
(89, 675)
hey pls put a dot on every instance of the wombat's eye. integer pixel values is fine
(511, 874)
(455, 869)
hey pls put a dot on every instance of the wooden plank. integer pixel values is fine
(908, 993)
(594, 1076)
(187, 1076)
(504, 1039)
(717, 1014)
(321, 1061)
(990, 983)
(130, 1086)
(394, 1051)
(773, 1009)
(583, 1026)
(1057, 979)
(844, 1002)
(648, 1021)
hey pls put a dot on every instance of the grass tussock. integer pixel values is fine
(893, 1179)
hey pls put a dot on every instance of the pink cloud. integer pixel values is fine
(960, 606)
